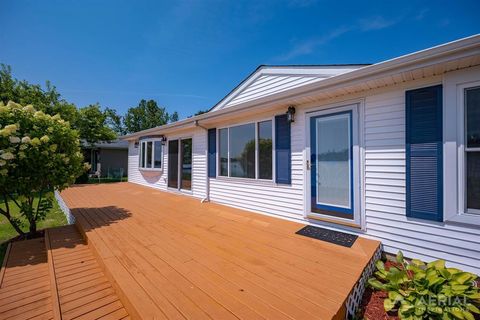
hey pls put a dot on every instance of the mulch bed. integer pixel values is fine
(372, 306)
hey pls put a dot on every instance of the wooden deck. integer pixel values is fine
(170, 257)
(56, 278)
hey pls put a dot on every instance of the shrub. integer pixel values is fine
(426, 291)
(39, 153)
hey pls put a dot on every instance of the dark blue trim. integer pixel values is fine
(313, 145)
(212, 153)
(283, 151)
(413, 136)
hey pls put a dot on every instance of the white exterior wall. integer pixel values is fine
(159, 181)
(383, 198)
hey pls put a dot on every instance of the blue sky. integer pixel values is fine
(188, 54)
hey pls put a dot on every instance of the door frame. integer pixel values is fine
(179, 169)
(358, 182)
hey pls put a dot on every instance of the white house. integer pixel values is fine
(390, 151)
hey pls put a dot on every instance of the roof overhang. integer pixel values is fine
(434, 61)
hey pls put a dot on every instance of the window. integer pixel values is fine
(265, 150)
(150, 154)
(246, 151)
(472, 149)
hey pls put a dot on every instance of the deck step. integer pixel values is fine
(83, 290)
(56, 277)
(25, 290)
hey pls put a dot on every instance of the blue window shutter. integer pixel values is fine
(283, 153)
(212, 153)
(424, 153)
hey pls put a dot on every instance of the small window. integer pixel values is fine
(151, 154)
(246, 151)
(223, 151)
(472, 149)
(265, 150)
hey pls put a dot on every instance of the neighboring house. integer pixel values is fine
(107, 159)
(390, 150)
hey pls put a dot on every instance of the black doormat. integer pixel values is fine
(340, 238)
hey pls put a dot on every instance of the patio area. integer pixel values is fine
(169, 256)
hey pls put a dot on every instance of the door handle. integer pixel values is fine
(308, 165)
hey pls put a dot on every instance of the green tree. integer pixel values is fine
(147, 115)
(49, 100)
(92, 125)
(91, 121)
(39, 153)
(199, 112)
(115, 121)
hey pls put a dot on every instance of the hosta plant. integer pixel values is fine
(417, 290)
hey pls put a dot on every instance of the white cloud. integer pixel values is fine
(308, 46)
(363, 25)
(376, 23)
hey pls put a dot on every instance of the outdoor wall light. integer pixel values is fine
(136, 144)
(164, 140)
(291, 114)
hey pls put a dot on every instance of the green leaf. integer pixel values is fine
(395, 296)
(399, 257)
(467, 315)
(418, 262)
(473, 308)
(374, 283)
(444, 273)
(437, 264)
(460, 288)
(435, 309)
(388, 304)
(457, 312)
(380, 265)
(474, 296)
(463, 277)
(420, 309)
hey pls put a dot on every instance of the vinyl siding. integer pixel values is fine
(385, 206)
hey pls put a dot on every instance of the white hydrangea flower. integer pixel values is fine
(29, 108)
(2, 163)
(26, 139)
(14, 139)
(11, 127)
(7, 156)
(45, 139)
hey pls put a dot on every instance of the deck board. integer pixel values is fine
(84, 291)
(172, 257)
(25, 287)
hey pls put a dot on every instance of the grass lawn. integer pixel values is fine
(55, 217)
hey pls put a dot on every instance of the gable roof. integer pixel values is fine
(269, 79)
(455, 55)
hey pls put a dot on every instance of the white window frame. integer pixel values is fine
(463, 149)
(454, 194)
(141, 144)
(257, 167)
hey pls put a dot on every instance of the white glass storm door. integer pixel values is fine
(331, 146)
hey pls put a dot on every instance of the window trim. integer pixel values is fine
(463, 150)
(255, 122)
(141, 144)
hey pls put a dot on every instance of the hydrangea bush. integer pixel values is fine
(39, 153)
